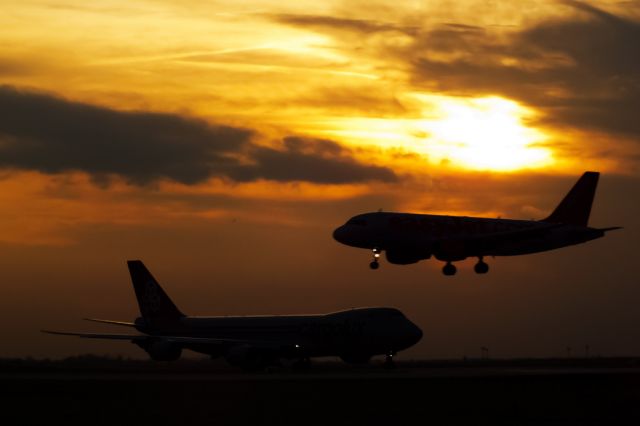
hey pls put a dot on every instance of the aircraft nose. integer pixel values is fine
(339, 234)
(416, 334)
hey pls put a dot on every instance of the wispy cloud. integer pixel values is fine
(580, 70)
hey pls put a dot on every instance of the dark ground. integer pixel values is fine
(95, 391)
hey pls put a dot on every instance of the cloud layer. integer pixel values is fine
(581, 70)
(52, 135)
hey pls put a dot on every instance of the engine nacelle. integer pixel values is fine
(161, 350)
(451, 250)
(356, 358)
(402, 257)
(249, 358)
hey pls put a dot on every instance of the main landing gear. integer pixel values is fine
(449, 269)
(302, 364)
(481, 267)
(376, 255)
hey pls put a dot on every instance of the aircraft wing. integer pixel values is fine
(172, 339)
(494, 240)
(534, 231)
(131, 337)
(211, 340)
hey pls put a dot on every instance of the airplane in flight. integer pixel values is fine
(409, 238)
(255, 342)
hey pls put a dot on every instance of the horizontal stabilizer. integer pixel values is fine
(171, 339)
(123, 323)
(611, 228)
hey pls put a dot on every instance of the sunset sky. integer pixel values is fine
(221, 142)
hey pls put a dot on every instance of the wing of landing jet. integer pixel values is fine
(481, 244)
(484, 244)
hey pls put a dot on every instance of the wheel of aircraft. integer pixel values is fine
(449, 269)
(376, 255)
(302, 364)
(388, 361)
(481, 267)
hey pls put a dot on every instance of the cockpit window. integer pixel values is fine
(357, 222)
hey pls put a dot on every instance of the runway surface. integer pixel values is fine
(327, 395)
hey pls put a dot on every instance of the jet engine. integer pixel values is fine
(161, 350)
(355, 358)
(404, 257)
(249, 358)
(451, 250)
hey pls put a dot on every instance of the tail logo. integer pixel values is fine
(151, 298)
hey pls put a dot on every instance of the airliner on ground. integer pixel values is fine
(254, 342)
(408, 238)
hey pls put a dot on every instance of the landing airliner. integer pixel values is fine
(408, 238)
(255, 342)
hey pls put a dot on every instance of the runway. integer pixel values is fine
(328, 395)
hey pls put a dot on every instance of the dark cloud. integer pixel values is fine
(52, 135)
(312, 160)
(582, 72)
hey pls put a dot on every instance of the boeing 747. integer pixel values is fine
(255, 342)
(408, 238)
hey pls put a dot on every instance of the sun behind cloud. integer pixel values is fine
(487, 134)
(471, 133)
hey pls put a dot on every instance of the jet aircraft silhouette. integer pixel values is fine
(254, 342)
(408, 238)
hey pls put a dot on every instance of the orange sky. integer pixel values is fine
(222, 142)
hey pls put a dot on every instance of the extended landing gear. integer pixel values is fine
(481, 267)
(388, 361)
(302, 364)
(376, 255)
(449, 269)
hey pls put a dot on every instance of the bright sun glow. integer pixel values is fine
(487, 134)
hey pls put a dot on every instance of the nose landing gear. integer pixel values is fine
(376, 255)
(388, 361)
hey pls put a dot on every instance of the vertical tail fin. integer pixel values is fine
(575, 207)
(154, 303)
